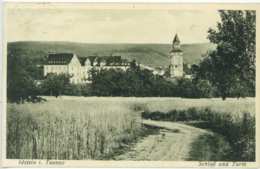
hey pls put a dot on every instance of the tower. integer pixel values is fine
(176, 59)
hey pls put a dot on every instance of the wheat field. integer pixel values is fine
(91, 127)
(67, 129)
(165, 104)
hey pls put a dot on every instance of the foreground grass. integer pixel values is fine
(69, 129)
(97, 127)
(210, 147)
(165, 104)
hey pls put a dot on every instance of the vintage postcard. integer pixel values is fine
(130, 85)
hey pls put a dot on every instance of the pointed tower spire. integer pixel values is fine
(176, 59)
(176, 39)
(176, 44)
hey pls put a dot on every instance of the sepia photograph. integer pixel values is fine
(130, 83)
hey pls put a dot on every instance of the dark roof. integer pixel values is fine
(82, 60)
(59, 58)
(176, 39)
(108, 60)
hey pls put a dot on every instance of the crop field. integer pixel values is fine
(165, 104)
(93, 127)
(66, 129)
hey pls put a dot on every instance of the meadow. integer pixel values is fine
(97, 127)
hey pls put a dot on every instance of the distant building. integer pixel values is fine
(79, 67)
(67, 63)
(176, 59)
(155, 70)
(159, 71)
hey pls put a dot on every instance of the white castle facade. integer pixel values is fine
(79, 68)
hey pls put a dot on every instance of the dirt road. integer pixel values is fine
(172, 142)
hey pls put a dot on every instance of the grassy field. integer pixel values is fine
(69, 129)
(164, 104)
(93, 127)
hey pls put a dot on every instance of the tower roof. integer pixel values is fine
(176, 45)
(176, 39)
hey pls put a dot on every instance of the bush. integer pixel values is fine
(73, 90)
(210, 147)
(55, 84)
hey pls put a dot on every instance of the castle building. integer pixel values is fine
(79, 67)
(64, 63)
(176, 59)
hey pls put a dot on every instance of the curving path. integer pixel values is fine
(173, 142)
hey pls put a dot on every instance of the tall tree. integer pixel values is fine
(20, 84)
(55, 84)
(231, 67)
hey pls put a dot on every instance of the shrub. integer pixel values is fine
(55, 84)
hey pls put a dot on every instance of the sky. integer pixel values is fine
(108, 25)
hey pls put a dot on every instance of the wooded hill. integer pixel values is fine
(148, 54)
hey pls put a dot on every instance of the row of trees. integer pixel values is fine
(133, 82)
(143, 83)
(22, 85)
(56, 85)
